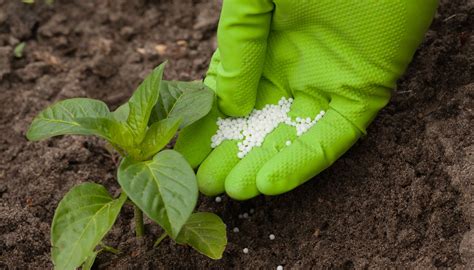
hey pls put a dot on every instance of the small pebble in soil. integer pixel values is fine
(236, 230)
(245, 215)
(252, 211)
(245, 250)
(279, 267)
(218, 199)
(271, 236)
(241, 216)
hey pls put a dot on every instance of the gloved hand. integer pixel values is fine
(343, 57)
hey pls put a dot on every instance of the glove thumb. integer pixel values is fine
(242, 39)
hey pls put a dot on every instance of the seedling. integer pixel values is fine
(18, 51)
(160, 183)
(48, 2)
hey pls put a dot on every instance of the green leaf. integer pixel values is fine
(87, 265)
(60, 118)
(18, 51)
(82, 219)
(142, 101)
(164, 188)
(158, 136)
(187, 100)
(206, 233)
(121, 113)
(109, 129)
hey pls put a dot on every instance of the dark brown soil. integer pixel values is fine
(401, 198)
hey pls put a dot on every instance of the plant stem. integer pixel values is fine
(118, 149)
(158, 241)
(138, 217)
(109, 249)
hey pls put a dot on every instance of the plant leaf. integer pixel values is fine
(122, 112)
(164, 188)
(206, 233)
(158, 136)
(82, 219)
(109, 129)
(187, 100)
(87, 265)
(18, 51)
(142, 101)
(60, 118)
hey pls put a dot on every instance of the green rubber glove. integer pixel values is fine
(341, 56)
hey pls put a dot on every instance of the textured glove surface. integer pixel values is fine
(341, 56)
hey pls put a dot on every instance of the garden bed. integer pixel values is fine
(402, 196)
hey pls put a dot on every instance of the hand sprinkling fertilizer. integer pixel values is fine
(297, 83)
(251, 130)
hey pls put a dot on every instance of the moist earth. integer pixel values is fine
(400, 198)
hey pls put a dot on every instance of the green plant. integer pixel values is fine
(159, 182)
(18, 50)
(48, 2)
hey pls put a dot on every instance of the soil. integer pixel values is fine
(400, 198)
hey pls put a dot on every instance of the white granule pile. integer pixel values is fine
(251, 130)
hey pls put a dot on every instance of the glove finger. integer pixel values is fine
(307, 156)
(211, 75)
(240, 184)
(194, 141)
(242, 37)
(215, 168)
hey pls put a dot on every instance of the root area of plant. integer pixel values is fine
(401, 197)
